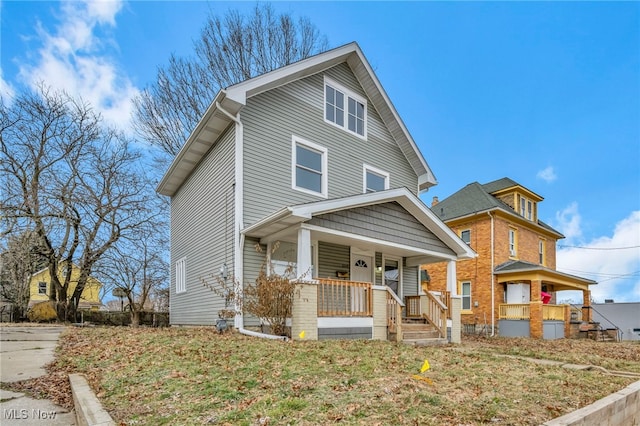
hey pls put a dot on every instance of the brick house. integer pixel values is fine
(513, 283)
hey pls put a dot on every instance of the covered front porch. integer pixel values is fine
(356, 260)
(530, 293)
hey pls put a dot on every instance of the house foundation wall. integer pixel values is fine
(304, 313)
(514, 328)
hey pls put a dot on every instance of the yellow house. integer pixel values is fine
(41, 286)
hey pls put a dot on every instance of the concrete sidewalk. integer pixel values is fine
(24, 351)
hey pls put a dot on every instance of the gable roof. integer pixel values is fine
(297, 214)
(476, 198)
(228, 102)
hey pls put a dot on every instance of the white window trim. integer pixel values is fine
(513, 245)
(181, 275)
(325, 169)
(347, 94)
(462, 232)
(462, 296)
(400, 273)
(367, 168)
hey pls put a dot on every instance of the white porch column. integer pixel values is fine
(452, 284)
(303, 267)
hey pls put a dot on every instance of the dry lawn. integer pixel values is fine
(195, 376)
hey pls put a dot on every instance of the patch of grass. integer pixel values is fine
(195, 376)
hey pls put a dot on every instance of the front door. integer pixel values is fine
(361, 268)
(362, 271)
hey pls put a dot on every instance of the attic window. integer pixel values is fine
(42, 287)
(344, 108)
(526, 208)
(374, 179)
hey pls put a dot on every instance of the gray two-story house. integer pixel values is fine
(312, 156)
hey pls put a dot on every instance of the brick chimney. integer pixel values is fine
(434, 201)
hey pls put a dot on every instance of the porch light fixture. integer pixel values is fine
(379, 268)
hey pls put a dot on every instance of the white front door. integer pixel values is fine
(361, 268)
(362, 271)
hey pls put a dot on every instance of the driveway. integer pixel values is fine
(24, 351)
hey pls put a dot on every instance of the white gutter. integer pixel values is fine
(493, 315)
(238, 237)
(261, 335)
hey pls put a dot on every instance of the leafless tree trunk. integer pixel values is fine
(18, 261)
(77, 184)
(230, 49)
(138, 268)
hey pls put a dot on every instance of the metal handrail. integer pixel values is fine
(619, 331)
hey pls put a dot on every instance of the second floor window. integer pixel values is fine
(512, 242)
(309, 165)
(344, 108)
(541, 251)
(42, 287)
(374, 179)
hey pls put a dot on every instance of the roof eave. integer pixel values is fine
(202, 138)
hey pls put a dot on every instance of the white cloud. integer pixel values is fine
(612, 261)
(74, 58)
(548, 175)
(7, 92)
(568, 222)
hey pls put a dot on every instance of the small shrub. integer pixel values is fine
(270, 298)
(43, 312)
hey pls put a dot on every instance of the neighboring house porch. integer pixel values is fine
(530, 292)
(357, 260)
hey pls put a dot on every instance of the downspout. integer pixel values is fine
(493, 315)
(238, 237)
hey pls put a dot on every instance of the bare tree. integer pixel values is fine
(78, 185)
(19, 260)
(137, 268)
(230, 49)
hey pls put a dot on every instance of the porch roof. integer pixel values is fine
(518, 270)
(288, 219)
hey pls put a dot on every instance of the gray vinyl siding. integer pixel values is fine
(409, 281)
(271, 119)
(253, 262)
(202, 217)
(388, 222)
(332, 258)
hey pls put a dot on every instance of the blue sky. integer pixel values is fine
(546, 93)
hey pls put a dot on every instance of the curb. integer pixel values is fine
(89, 411)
